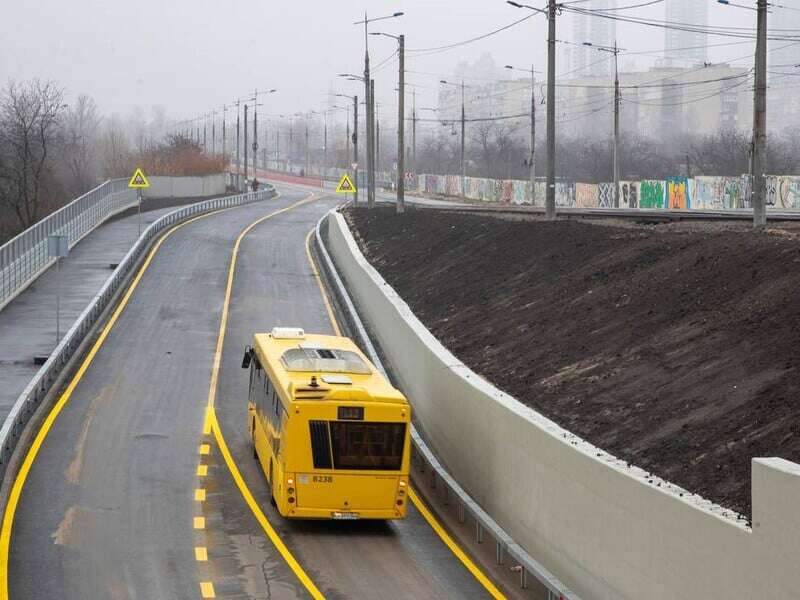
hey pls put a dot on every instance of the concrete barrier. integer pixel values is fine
(608, 530)
(163, 186)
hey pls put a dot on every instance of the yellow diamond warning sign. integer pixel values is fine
(139, 180)
(345, 185)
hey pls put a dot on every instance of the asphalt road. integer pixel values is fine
(108, 507)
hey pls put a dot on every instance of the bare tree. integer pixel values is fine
(115, 148)
(80, 145)
(29, 122)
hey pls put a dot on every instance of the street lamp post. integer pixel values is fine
(550, 11)
(368, 89)
(401, 44)
(532, 156)
(463, 131)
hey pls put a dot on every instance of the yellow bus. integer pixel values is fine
(331, 434)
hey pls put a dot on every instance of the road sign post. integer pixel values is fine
(139, 182)
(346, 185)
(58, 247)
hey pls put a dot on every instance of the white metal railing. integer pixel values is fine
(24, 257)
(41, 383)
(426, 463)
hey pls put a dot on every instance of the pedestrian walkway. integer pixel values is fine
(28, 323)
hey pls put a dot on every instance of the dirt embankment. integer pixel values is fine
(673, 347)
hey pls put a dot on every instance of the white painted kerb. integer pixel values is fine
(607, 530)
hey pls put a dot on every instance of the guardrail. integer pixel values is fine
(40, 385)
(424, 460)
(24, 257)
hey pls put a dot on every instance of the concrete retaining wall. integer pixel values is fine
(162, 186)
(609, 531)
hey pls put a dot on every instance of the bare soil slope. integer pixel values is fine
(675, 348)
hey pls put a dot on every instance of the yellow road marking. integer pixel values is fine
(202, 470)
(201, 553)
(205, 448)
(322, 292)
(200, 494)
(454, 547)
(259, 514)
(207, 589)
(33, 451)
(199, 523)
(427, 515)
(223, 324)
(212, 424)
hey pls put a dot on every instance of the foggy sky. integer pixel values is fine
(192, 56)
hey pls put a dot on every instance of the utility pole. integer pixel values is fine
(616, 126)
(760, 121)
(532, 158)
(278, 148)
(245, 145)
(377, 147)
(224, 135)
(401, 113)
(463, 127)
(325, 144)
(368, 100)
(347, 141)
(414, 132)
(255, 134)
(355, 148)
(205, 125)
(373, 146)
(550, 205)
(306, 169)
(238, 146)
(264, 153)
(213, 132)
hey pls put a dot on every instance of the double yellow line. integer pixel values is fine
(30, 456)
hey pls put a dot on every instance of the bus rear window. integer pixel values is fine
(367, 446)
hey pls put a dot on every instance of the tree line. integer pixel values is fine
(52, 150)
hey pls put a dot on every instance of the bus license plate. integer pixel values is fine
(345, 516)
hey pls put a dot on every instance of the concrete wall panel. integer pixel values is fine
(608, 530)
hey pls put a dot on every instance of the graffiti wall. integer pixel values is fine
(651, 193)
(629, 194)
(678, 193)
(783, 192)
(709, 193)
(586, 195)
(605, 195)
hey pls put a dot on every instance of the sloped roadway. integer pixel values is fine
(109, 505)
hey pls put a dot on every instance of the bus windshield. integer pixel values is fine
(323, 360)
(368, 446)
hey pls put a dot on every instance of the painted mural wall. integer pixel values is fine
(677, 193)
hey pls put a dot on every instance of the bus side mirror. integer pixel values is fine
(248, 356)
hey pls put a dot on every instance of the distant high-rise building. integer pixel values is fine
(585, 61)
(685, 48)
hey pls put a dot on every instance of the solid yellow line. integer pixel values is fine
(207, 589)
(259, 514)
(212, 424)
(33, 451)
(454, 548)
(432, 521)
(223, 324)
(322, 291)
